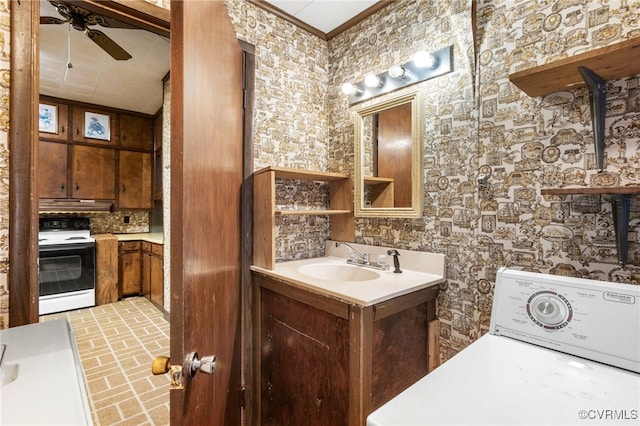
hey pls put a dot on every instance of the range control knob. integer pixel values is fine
(549, 310)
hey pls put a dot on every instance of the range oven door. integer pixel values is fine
(66, 276)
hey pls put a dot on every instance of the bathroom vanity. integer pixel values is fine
(336, 340)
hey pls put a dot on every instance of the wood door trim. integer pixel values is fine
(23, 153)
(23, 167)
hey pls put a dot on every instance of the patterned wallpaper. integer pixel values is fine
(475, 121)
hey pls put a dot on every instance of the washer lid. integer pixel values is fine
(501, 381)
(597, 320)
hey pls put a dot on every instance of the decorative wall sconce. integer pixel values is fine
(422, 66)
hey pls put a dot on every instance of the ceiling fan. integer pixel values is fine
(80, 19)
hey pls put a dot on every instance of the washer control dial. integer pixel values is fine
(549, 310)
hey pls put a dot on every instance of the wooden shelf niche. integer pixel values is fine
(264, 208)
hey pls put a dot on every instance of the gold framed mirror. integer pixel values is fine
(388, 158)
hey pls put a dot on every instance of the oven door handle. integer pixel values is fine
(68, 246)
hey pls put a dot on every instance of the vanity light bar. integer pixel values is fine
(400, 76)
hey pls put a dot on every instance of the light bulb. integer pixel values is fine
(349, 89)
(423, 59)
(372, 80)
(396, 71)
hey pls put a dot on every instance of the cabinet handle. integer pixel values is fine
(77, 186)
(61, 129)
(77, 131)
(62, 187)
(124, 188)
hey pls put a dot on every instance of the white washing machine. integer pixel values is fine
(560, 351)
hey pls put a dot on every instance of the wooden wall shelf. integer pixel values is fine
(610, 62)
(591, 191)
(264, 208)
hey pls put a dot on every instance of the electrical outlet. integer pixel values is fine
(126, 219)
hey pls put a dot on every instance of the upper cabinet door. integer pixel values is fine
(53, 120)
(52, 166)
(93, 173)
(92, 125)
(135, 180)
(136, 131)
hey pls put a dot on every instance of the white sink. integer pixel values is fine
(333, 272)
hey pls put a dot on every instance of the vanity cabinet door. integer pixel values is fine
(304, 373)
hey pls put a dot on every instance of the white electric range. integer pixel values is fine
(560, 351)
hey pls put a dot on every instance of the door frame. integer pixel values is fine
(23, 139)
(23, 170)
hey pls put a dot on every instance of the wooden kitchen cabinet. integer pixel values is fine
(52, 166)
(152, 273)
(129, 269)
(135, 180)
(109, 136)
(93, 172)
(326, 361)
(136, 131)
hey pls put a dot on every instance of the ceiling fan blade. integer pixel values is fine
(108, 45)
(52, 20)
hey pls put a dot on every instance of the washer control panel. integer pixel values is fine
(597, 320)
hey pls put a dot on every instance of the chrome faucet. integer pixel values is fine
(362, 259)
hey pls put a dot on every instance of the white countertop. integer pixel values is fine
(42, 381)
(420, 270)
(151, 237)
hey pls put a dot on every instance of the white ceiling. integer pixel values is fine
(136, 84)
(97, 78)
(325, 15)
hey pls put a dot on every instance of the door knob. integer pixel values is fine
(192, 364)
(206, 364)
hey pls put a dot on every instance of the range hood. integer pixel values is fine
(74, 206)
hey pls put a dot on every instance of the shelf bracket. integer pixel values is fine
(620, 206)
(598, 101)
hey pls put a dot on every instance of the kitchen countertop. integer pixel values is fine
(151, 237)
(420, 270)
